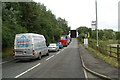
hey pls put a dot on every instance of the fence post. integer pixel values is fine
(110, 50)
(118, 53)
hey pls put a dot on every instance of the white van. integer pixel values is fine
(29, 46)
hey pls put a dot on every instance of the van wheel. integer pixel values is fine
(39, 57)
(47, 54)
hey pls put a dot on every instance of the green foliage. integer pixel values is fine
(63, 25)
(93, 35)
(118, 37)
(105, 34)
(83, 29)
(110, 60)
(81, 37)
(19, 17)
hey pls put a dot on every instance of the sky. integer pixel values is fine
(82, 12)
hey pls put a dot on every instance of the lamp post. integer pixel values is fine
(96, 24)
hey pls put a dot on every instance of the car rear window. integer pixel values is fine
(52, 44)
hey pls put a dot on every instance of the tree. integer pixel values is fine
(19, 17)
(62, 23)
(118, 37)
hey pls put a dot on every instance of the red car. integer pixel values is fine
(64, 42)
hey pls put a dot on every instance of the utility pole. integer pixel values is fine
(96, 24)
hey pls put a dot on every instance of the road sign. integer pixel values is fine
(94, 22)
(86, 42)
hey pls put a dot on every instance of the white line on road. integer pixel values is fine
(49, 57)
(63, 49)
(85, 74)
(58, 52)
(27, 70)
(5, 62)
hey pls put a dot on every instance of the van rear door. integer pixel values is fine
(23, 44)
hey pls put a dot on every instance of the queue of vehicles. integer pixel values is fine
(65, 40)
(33, 46)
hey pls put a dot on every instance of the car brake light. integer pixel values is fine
(33, 52)
(54, 47)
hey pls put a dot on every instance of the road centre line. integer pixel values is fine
(50, 57)
(33, 66)
(58, 52)
(63, 49)
(27, 70)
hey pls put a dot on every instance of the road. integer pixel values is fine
(63, 64)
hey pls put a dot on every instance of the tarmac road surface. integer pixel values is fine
(63, 64)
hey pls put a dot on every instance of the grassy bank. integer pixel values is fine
(104, 49)
(7, 52)
(110, 60)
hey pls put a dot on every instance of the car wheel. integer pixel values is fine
(56, 50)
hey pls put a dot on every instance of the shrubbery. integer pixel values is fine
(31, 17)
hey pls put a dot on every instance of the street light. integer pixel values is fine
(96, 23)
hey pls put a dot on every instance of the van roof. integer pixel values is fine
(28, 34)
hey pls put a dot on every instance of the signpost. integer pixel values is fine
(95, 23)
(86, 42)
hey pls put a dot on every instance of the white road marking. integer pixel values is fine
(27, 70)
(85, 73)
(12, 60)
(50, 57)
(5, 62)
(53, 53)
(58, 52)
(33, 66)
(63, 49)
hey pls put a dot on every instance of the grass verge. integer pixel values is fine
(7, 52)
(6, 55)
(107, 59)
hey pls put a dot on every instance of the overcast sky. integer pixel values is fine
(82, 12)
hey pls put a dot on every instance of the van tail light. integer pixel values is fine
(54, 47)
(33, 52)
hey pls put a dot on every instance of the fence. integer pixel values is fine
(116, 53)
(112, 51)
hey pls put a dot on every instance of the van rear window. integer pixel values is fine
(22, 42)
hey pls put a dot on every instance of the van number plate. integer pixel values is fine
(19, 53)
